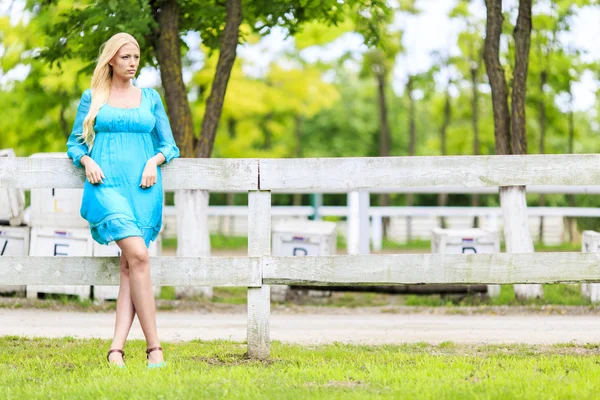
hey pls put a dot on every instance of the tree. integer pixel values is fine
(553, 71)
(470, 44)
(510, 124)
(383, 47)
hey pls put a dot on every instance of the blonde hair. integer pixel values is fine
(101, 80)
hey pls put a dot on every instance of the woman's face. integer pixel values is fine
(125, 63)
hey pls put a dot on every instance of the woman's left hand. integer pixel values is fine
(149, 175)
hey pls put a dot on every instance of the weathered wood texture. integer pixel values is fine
(433, 268)
(165, 271)
(259, 299)
(331, 173)
(193, 239)
(516, 233)
(346, 174)
(185, 173)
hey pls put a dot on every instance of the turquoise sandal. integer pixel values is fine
(156, 365)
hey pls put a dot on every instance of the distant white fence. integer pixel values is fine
(260, 269)
(232, 220)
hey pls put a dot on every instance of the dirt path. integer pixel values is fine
(364, 327)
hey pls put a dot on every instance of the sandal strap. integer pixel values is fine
(148, 351)
(115, 351)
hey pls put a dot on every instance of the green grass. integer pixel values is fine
(576, 247)
(555, 294)
(69, 368)
(220, 242)
(225, 295)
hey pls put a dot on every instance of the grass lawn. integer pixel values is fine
(70, 368)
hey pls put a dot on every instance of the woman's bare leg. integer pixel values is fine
(142, 295)
(125, 313)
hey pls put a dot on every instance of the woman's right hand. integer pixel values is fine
(93, 172)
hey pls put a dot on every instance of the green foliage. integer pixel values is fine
(293, 110)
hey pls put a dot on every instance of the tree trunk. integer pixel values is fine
(543, 79)
(232, 127)
(572, 228)
(475, 122)
(385, 138)
(512, 199)
(267, 135)
(168, 51)
(64, 126)
(495, 72)
(227, 55)
(443, 197)
(193, 238)
(522, 35)
(298, 126)
(411, 148)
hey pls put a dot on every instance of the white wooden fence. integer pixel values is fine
(259, 177)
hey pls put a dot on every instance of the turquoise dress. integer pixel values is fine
(125, 139)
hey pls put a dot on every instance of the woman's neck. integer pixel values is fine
(120, 85)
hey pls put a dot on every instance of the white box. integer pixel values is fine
(464, 241)
(53, 207)
(590, 243)
(107, 292)
(14, 241)
(467, 241)
(12, 200)
(297, 237)
(60, 242)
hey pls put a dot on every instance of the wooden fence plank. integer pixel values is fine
(360, 173)
(165, 271)
(233, 174)
(259, 299)
(392, 269)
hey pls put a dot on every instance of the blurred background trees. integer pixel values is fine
(322, 79)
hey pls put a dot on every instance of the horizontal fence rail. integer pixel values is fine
(397, 269)
(386, 172)
(231, 174)
(380, 269)
(165, 271)
(323, 174)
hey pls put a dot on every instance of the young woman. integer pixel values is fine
(120, 136)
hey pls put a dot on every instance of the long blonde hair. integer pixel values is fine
(101, 81)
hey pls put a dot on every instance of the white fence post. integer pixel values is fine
(377, 231)
(358, 222)
(259, 298)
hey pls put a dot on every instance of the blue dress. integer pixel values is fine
(125, 139)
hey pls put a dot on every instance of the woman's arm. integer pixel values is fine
(77, 149)
(164, 144)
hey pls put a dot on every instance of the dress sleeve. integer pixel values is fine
(161, 134)
(76, 147)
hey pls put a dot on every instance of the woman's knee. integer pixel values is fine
(138, 259)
